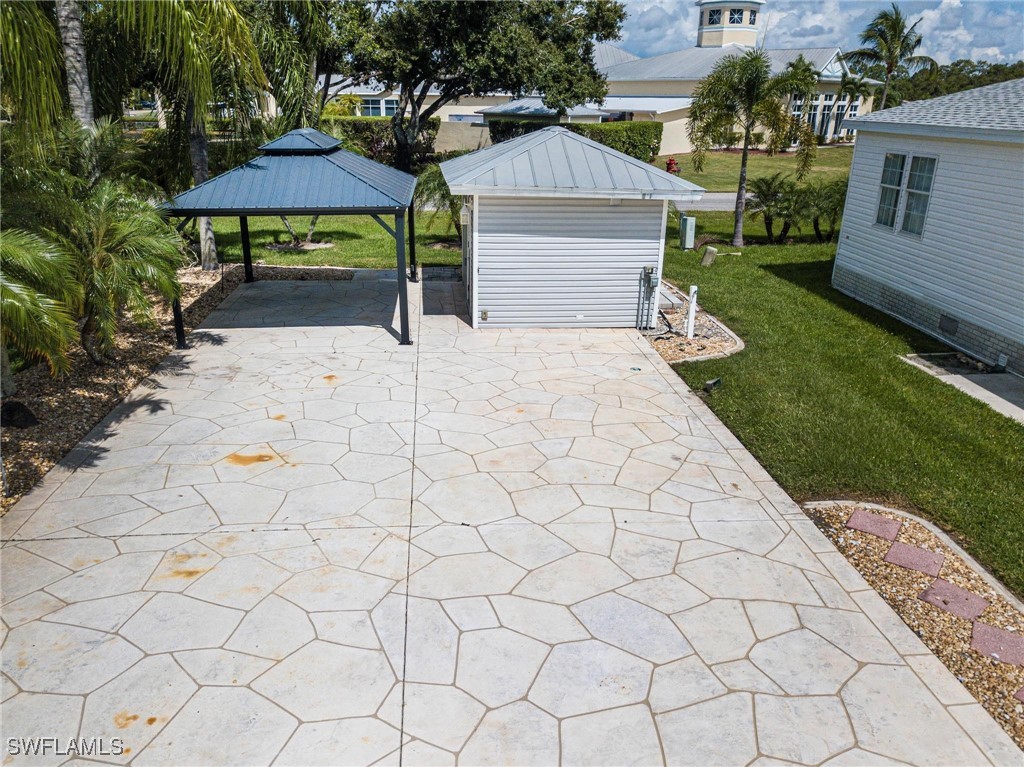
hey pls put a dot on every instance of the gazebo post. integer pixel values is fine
(179, 325)
(243, 222)
(403, 290)
(412, 245)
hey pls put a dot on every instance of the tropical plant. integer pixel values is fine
(433, 197)
(30, 66)
(825, 201)
(741, 90)
(345, 105)
(891, 44)
(455, 49)
(769, 200)
(36, 290)
(122, 249)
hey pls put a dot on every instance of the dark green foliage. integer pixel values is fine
(637, 139)
(778, 199)
(373, 137)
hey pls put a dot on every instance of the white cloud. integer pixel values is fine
(952, 29)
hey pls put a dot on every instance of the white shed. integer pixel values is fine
(933, 231)
(560, 231)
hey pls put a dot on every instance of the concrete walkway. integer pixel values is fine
(301, 543)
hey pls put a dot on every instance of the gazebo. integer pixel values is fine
(306, 172)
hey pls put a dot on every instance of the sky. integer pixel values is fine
(990, 30)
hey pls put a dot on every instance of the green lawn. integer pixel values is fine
(822, 399)
(359, 241)
(722, 169)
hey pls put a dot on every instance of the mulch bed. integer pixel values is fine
(994, 683)
(69, 407)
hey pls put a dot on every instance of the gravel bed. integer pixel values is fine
(709, 337)
(991, 682)
(69, 407)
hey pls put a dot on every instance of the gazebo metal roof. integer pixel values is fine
(306, 172)
(302, 172)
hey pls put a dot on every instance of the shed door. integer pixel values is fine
(548, 262)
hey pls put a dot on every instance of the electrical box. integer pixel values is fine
(687, 230)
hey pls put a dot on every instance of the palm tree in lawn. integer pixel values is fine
(37, 291)
(30, 69)
(741, 90)
(890, 44)
(768, 200)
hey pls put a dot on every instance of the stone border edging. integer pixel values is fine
(983, 572)
(740, 346)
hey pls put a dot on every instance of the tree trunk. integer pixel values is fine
(816, 223)
(69, 20)
(161, 113)
(769, 226)
(199, 154)
(8, 387)
(741, 193)
(88, 339)
(405, 137)
(784, 232)
(312, 226)
(885, 93)
(291, 231)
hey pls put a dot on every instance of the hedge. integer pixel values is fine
(641, 140)
(373, 137)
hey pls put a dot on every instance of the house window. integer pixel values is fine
(919, 189)
(753, 18)
(378, 107)
(715, 16)
(812, 115)
(736, 16)
(892, 183)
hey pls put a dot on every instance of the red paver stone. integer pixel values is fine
(914, 558)
(1003, 645)
(1019, 695)
(876, 524)
(953, 599)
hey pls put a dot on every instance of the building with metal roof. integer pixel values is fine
(532, 107)
(306, 172)
(560, 231)
(928, 179)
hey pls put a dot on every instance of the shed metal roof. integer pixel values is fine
(555, 162)
(302, 140)
(993, 111)
(326, 180)
(651, 104)
(533, 106)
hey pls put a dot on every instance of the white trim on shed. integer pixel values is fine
(562, 230)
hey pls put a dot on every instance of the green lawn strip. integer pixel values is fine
(359, 242)
(823, 401)
(722, 169)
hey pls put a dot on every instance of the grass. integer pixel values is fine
(821, 397)
(722, 169)
(358, 241)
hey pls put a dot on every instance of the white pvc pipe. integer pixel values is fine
(691, 311)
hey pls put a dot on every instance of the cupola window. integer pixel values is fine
(753, 18)
(714, 16)
(736, 16)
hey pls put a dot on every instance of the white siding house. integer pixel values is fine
(933, 231)
(560, 231)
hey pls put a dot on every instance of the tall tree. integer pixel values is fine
(891, 44)
(434, 53)
(741, 90)
(72, 35)
(30, 72)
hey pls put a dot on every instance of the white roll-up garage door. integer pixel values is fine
(556, 262)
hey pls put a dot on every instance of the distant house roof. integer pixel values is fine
(555, 162)
(608, 55)
(533, 106)
(993, 111)
(303, 171)
(697, 63)
(646, 104)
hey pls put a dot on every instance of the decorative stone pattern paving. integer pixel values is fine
(305, 544)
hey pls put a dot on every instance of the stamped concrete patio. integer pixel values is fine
(301, 543)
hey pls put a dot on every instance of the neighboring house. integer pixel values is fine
(726, 27)
(933, 231)
(560, 231)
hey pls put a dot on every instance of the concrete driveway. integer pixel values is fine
(301, 543)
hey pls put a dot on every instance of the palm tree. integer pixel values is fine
(769, 197)
(37, 290)
(853, 87)
(890, 43)
(30, 66)
(122, 250)
(741, 89)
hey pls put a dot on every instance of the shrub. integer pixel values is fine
(374, 138)
(641, 140)
(757, 139)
